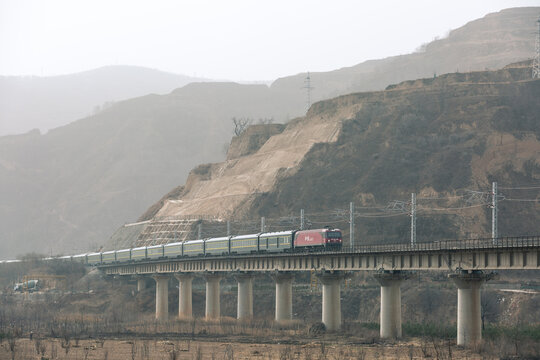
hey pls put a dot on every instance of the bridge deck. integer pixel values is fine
(521, 253)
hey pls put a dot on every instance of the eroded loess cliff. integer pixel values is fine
(220, 189)
(436, 137)
(252, 139)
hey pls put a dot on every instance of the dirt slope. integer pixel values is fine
(221, 188)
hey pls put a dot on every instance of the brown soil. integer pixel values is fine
(153, 349)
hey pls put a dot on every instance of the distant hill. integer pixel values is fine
(69, 189)
(32, 102)
(491, 42)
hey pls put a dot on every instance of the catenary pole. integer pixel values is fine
(413, 219)
(351, 223)
(494, 210)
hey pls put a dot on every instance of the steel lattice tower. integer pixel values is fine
(536, 61)
(308, 87)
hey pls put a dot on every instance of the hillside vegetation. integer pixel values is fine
(435, 137)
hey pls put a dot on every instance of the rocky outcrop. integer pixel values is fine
(252, 139)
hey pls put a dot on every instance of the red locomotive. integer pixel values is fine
(317, 238)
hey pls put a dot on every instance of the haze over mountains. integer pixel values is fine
(31, 102)
(69, 189)
(491, 42)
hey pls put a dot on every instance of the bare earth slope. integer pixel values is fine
(223, 187)
(436, 137)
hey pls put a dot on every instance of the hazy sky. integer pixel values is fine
(233, 39)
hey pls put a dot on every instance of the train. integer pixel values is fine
(326, 239)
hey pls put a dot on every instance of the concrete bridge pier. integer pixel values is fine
(245, 296)
(331, 299)
(390, 320)
(185, 295)
(283, 296)
(141, 283)
(469, 322)
(162, 296)
(213, 310)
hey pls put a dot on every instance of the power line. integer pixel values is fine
(454, 208)
(441, 198)
(520, 188)
(523, 200)
(168, 229)
(380, 216)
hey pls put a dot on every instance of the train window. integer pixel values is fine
(333, 234)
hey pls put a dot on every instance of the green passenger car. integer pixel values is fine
(245, 244)
(194, 248)
(276, 241)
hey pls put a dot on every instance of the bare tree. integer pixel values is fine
(240, 125)
(265, 121)
(12, 342)
(489, 307)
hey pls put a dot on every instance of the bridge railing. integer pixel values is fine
(468, 244)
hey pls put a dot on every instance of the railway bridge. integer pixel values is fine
(469, 263)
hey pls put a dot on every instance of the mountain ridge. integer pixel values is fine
(28, 102)
(475, 44)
